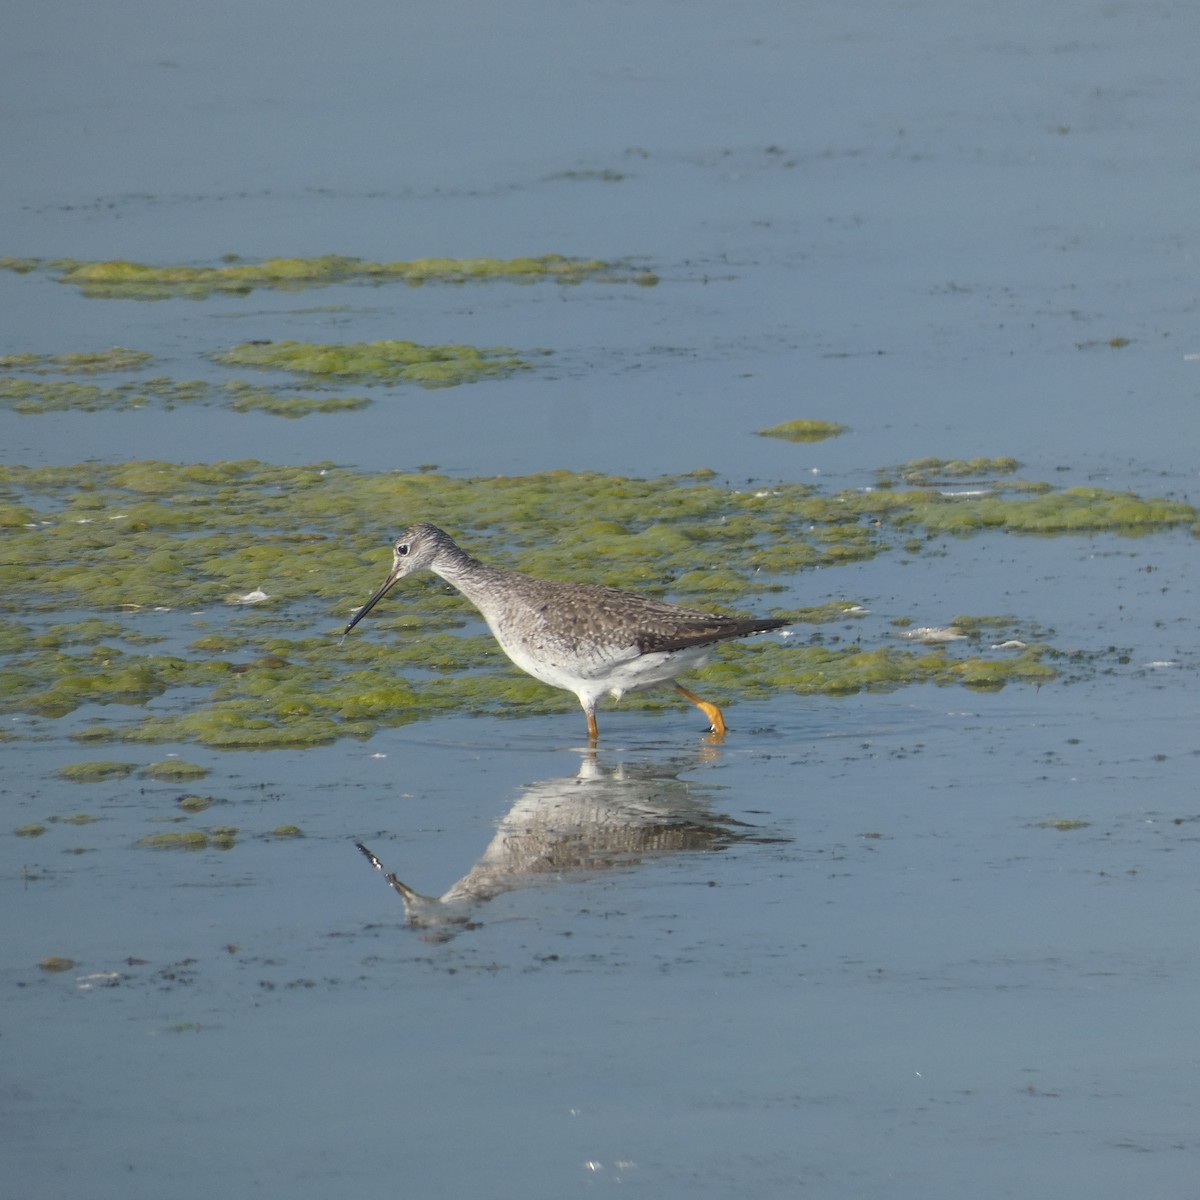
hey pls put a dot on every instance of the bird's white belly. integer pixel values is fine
(595, 675)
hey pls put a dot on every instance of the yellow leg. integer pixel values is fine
(710, 710)
(593, 728)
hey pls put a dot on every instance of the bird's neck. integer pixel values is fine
(474, 579)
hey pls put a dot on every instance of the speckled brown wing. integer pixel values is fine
(702, 633)
(618, 623)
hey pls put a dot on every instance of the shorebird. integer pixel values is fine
(580, 637)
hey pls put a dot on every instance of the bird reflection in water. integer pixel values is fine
(600, 819)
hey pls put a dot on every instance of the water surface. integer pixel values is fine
(921, 939)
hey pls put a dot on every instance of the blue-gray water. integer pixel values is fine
(925, 221)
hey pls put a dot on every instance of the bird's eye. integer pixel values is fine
(401, 548)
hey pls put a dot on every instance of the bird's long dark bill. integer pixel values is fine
(388, 584)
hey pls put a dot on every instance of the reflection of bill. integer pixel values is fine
(597, 820)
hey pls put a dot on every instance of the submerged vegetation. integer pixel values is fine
(322, 366)
(928, 471)
(116, 578)
(803, 430)
(377, 362)
(25, 388)
(86, 363)
(93, 772)
(31, 396)
(123, 280)
(148, 602)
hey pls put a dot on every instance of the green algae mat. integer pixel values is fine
(39, 383)
(153, 601)
(123, 280)
(25, 387)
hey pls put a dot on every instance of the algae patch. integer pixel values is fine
(144, 554)
(803, 430)
(174, 770)
(928, 471)
(194, 804)
(32, 396)
(56, 964)
(245, 397)
(767, 667)
(193, 839)
(87, 363)
(94, 772)
(377, 362)
(24, 390)
(123, 280)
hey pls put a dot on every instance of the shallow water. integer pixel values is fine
(873, 945)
